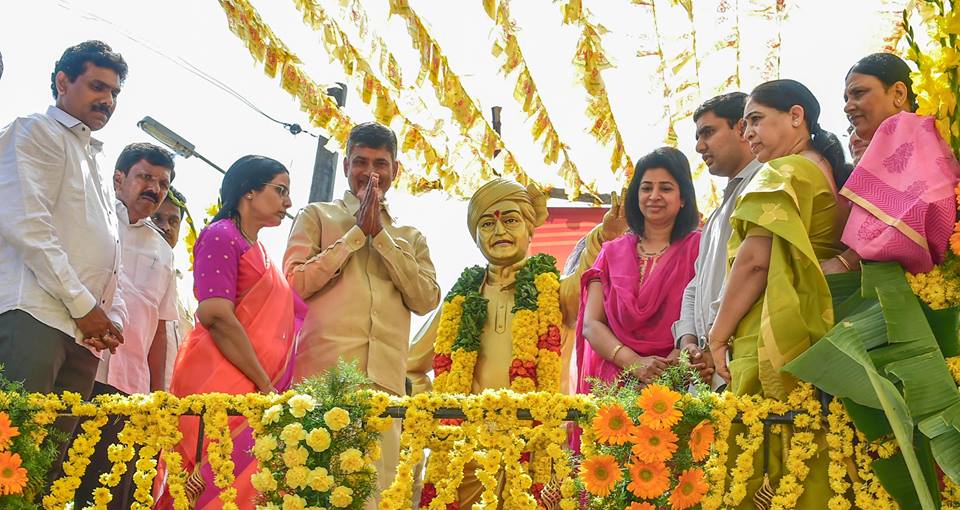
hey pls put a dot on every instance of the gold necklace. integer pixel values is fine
(236, 221)
(646, 253)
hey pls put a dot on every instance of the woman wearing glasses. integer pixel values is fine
(248, 315)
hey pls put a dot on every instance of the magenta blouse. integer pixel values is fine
(216, 257)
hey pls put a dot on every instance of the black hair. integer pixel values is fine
(781, 95)
(249, 173)
(178, 197)
(374, 136)
(154, 154)
(889, 69)
(726, 106)
(1, 65)
(74, 60)
(674, 162)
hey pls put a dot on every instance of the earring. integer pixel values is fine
(897, 103)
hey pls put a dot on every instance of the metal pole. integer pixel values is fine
(325, 164)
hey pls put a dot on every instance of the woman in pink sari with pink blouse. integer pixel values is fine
(903, 203)
(247, 320)
(631, 296)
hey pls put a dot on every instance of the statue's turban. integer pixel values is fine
(533, 203)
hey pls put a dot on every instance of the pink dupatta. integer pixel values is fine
(902, 195)
(640, 316)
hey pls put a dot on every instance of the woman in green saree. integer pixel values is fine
(776, 302)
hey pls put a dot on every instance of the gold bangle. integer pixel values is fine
(613, 356)
(844, 261)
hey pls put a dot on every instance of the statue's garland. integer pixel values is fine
(535, 330)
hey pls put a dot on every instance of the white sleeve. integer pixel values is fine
(32, 165)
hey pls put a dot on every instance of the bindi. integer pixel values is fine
(496, 214)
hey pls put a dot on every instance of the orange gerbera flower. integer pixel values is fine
(13, 478)
(7, 432)
(658, 404)
(653, 445)
(600, 474)
(641, 506)
(955, 239)
(689, 490)
(612, 424)
(648, 480)
(701, 437)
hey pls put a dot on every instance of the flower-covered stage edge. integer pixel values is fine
(28, 446)
(642, 448)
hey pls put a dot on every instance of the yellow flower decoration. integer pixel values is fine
(292, 434)
(341, 496)
(351, 460)
(318, 439)
(300, 405)
(336, 418)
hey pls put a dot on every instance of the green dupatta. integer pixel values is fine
(792, 200)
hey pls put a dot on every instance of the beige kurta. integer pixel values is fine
(360, 291)
(495, 355)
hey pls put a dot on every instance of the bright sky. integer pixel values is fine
(821, 40)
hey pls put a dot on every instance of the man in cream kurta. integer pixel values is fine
(504, 242)
(361, 275)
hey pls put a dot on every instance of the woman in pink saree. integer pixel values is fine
(632, 294)
(903, 203)
(248, 319)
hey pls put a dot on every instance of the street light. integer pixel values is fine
(176, 143)
(173, 141)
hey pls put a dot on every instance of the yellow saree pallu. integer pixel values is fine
(792, 201)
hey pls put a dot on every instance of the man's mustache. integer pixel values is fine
(102, 108)
(151, 195)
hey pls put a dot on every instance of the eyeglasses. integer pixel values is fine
(282, 190)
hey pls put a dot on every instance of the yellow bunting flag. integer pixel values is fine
(525, 92)
(590, 60)
(451, 94)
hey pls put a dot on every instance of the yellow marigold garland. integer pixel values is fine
(78, 457)
(954, 365)
(840, 449)
(724, 412)
(867, 489)
(803, 447)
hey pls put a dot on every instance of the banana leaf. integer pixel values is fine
(886, 362)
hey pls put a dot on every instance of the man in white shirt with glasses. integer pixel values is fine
(141, 179)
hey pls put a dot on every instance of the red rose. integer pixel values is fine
(441, 363)
(520, 368)
(536, 489)
(427, 494)
(525, 457)
(453, 506)
(550, 340)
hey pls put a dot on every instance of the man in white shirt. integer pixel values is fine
(169, 218)
(59, 244)
(141, 180)
(727, 154)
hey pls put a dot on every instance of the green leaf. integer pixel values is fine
(890, 472)
(883, 357)
(945, 325)
(943, 430)
(871, 422)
